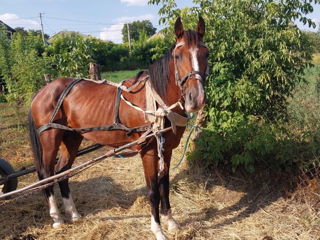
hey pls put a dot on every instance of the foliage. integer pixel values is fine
(160, 46)
(70, 55)
(257, 59)
(314, 39)
(4, 54)
(135, 28)
(24, 33)
(24, 59)
(304, 105)
(21, 65)
(144, 51)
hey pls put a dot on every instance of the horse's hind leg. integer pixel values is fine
(52, 139)
(69, 147)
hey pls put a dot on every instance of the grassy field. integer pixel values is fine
(316, 59)
(14, 140)
(111, 196)
(118, 76)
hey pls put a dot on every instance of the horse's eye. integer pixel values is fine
(206, 55)
(177, 56)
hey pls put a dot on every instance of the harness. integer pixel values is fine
(155, 112)
(117, 125)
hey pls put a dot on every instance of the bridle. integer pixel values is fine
(197, 75)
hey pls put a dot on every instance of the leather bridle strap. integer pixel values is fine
(197, 75)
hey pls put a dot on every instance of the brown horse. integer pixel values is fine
(176, 79)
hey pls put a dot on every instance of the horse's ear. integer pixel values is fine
(201, 27)
(178, 28)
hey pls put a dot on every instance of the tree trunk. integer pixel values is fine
(47, 78)
(94, 71)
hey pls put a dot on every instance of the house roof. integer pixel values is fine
(8, 28)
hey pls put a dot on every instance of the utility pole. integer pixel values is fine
(129, 37)
(44, 42)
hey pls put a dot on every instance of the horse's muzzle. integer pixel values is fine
(194, 99)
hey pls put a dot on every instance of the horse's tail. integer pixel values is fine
(35, 143)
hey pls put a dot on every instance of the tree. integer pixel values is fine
(22, 66)
(136, 28)
(257, 58)
(32, 32)
(70, 55)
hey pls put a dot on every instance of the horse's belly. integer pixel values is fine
(110, 138)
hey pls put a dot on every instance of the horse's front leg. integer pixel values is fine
(164, 190)
(150, 165)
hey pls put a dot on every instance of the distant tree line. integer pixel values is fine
(24, 58)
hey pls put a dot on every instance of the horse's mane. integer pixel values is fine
(159, 74)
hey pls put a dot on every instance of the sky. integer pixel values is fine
(103, 19)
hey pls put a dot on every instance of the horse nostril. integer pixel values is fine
(190, 96)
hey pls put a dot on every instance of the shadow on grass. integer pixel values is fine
(258, 191)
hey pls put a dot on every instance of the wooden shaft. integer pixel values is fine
(81, 167)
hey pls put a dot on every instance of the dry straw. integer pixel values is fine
(111, 196)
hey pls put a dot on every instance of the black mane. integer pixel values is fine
(159, 74)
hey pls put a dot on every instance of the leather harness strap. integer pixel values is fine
(63, 95)
(115, 126)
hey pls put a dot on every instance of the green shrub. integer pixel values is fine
(257, 60)
(22, 66)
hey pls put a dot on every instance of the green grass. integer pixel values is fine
(304, 106)
(118, 76)
(14, 137)
(316, 59)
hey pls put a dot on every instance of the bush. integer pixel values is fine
(257, 59)
(22, 66)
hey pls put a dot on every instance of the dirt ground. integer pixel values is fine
(111, 197)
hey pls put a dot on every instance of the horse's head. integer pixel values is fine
(191, 64)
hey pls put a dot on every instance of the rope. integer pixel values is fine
(194, 127)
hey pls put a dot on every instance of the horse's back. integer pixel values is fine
(84, 96)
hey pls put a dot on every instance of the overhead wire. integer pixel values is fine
(79, 26)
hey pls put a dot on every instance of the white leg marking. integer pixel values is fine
(172, 224)
(157, 231)
(71, 208)
(54, 212)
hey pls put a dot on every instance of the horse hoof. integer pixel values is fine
(161, 236)
(76, 218)
(57, 224)
(173, 226)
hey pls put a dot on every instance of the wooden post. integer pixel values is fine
(47, 78)
(94, 71)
